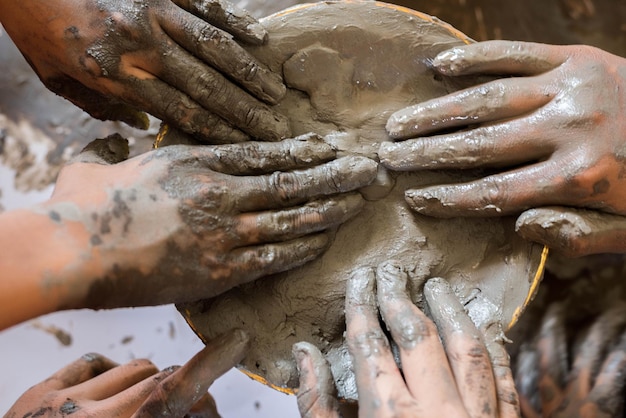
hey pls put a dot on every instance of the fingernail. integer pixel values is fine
(390, 270)
(300, 351)
(310, 149)
(279, 128)
(450, 60)
(170, 369)
(401, 124)
(420, 200)
(360, 286)
(349, 205)
(258, 32)
(437, 285)
(350, 173)
(272, 87)
(390, 278)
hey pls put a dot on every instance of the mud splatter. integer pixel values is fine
(62, 336)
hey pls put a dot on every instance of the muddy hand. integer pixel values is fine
(574, 232)
(187, 222)
(317, 394)
(435, 382)
(175, 59)
(95, 386)
(555, 131)
(594, 386)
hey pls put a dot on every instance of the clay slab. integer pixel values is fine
(348, 66)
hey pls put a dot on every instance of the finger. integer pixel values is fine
(508, 399)
(115, 380)
(220, 96)
(96, 104)
(227, 16)
(282, 225)
(85, 368)
(317, 394)
(177, 393)
(250, 263)
(527, 378)
(553, 358)
(252, 157)
(283, 189)
(603, 332)
(204, 408)
(526, 408)
(424, 363)
(378, 379)
(496, 100)
(499, 57)
(496, 195)
(217, 49)
(502, 144)
(171, 105)
(127, 401)
(110, 150)
(574, 232)
(608, 390)
(465, 349)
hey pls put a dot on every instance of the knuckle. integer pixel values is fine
(479, 144)
(412, 331)
(573, 243)
(285, 186)
(252, 116)
(283, 222)
(487, 98)
(207, 33)
(368, 343)
(492, 193)
(250, 71)
(308, 400)
(204, 85)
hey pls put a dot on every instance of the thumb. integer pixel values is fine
(110, 150)
(574, 232)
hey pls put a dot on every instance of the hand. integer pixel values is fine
(593, 386)
(456, 381)
(94, 386)
(175, 59)
(574, 232)
(556, 131)
(184, 223)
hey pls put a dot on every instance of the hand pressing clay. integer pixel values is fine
(348, 67)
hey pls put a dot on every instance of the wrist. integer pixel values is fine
(45, 260)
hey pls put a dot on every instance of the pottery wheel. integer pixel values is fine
(348, 66)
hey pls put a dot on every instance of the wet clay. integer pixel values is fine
(348, 66)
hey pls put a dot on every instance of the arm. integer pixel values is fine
(176, 224)
(36, 252)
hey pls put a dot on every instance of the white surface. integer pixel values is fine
(30, 354)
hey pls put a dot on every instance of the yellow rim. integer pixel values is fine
(534, 286)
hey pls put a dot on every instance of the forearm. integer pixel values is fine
(42, 263)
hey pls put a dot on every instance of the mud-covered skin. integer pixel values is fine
(574, 232)
(435, 382)
(94, 386)
(555, 132)
(317, 395)
(580, 375)
(116, 58)
(182, 223)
